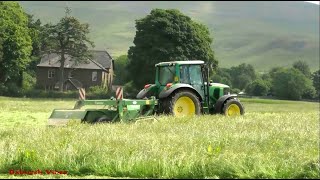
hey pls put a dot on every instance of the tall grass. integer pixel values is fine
(279, 144)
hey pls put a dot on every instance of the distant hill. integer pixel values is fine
(264, 34)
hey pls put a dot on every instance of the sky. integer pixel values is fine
(314, 2)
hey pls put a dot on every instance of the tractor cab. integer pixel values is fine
(180, 72)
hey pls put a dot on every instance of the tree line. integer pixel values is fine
(295, 82)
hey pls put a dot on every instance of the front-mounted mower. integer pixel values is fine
(181, 88)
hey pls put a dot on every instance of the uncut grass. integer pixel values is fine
(269, 145)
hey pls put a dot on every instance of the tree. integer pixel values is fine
(291, 84)
(68, 37)
(316, 81)
(303, 67)
(242, 75)
(258, 87)
(16, 43)
(1, 51)
(120, 70)
(167, 35)
(36, 34)
(222, 76)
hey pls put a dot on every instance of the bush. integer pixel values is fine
(235, 91)
(121, 74)
(309, 93)
(258, 88)
(97, 92)
(129, 91)
(3, 89)
(28, 81)
(291, 84)
(13, 90)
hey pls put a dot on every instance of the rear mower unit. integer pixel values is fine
(181, 88)
(124, 110)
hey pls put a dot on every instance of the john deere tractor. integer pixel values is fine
(181, 88)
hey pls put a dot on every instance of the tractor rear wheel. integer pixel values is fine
(233, 107)
(184, 103)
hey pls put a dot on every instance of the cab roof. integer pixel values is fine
(179, 62)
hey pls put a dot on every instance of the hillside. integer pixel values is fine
(264, 34)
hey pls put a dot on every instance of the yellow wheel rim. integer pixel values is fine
(184, 106)
(233, 110)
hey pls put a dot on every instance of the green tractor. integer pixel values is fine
(181, 88)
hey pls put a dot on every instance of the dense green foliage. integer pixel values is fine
(303, 67)
(167, 35)
(36, 31)
(242, 75)
(316, 81)
(291, 84)
(258, 88)
(16, 43)
(222, 75)
(121, 73)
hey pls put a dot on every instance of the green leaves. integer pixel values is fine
(291, 84)
(167, 35)
(16, 42)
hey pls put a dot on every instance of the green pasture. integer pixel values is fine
(274, 139)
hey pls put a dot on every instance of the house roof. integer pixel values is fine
(100, 60)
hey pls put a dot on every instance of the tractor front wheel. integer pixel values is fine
(233, 107)
(184, 103)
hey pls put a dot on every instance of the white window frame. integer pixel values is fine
(51, 73)
(94, 76)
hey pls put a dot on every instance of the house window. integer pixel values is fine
(94, 76)
(51, 74)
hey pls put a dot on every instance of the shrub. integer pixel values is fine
(258, 88)
(3, 89)
(129, 91)
(28, 81)
(97, 92)
(13, 90)
(235, 91)
(292, 84)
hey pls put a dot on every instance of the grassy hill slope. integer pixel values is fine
(264, 34)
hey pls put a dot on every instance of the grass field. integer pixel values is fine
(274, 139)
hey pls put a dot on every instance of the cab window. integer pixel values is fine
(190, 74)
(166, 74)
